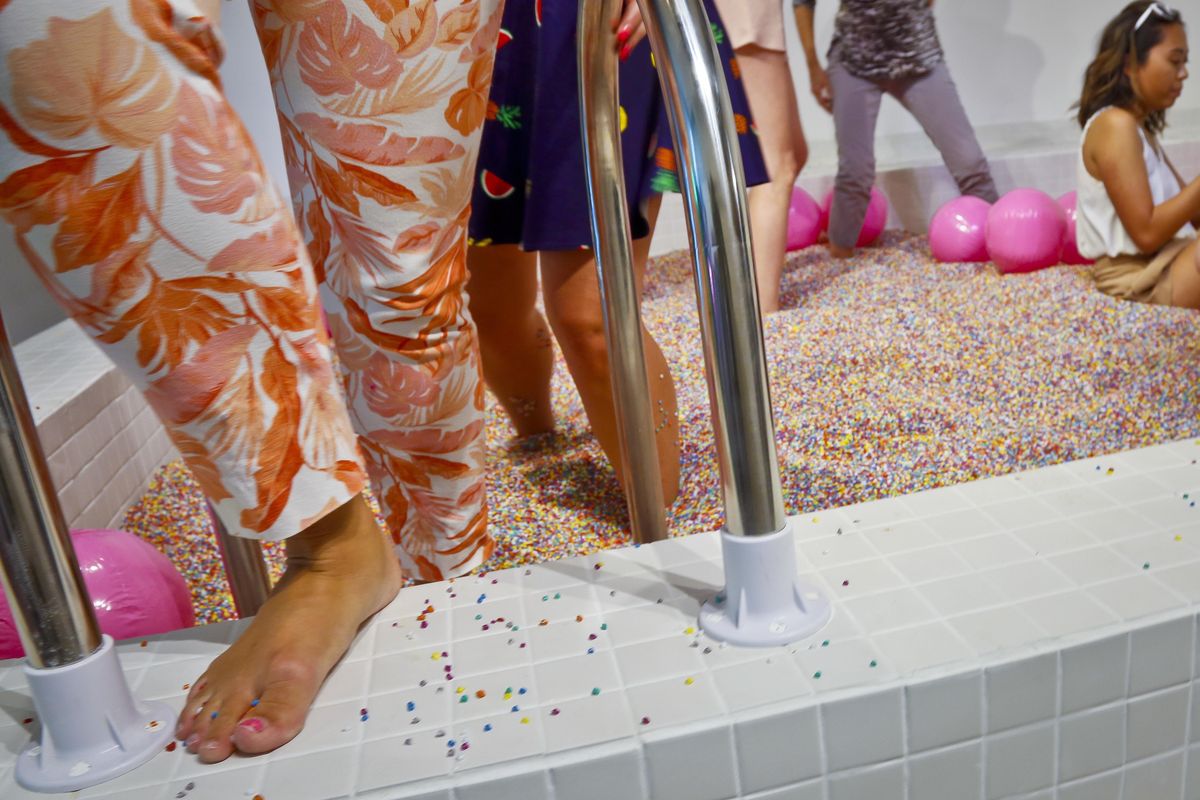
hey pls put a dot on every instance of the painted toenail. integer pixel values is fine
(253, 724)
(210, 745)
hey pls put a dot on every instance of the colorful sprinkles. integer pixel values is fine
(929, 400)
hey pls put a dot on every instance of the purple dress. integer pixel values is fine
(531, 189)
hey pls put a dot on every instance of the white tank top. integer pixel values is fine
(1098, 230)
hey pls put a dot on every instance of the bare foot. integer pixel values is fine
(837, 251)
(255, 696)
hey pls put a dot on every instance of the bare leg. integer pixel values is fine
(573, 306)
(768, 84)
(256, 695)
(514, 340)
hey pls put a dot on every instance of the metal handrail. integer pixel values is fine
(245, 569)
(38, 567)
(612, 240)
(710, 171)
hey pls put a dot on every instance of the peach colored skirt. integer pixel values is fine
(757, 22)
(1141, 278)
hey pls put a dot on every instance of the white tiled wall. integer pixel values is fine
(970, 657)
(102, 442)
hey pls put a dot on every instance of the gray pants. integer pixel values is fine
(934, 101)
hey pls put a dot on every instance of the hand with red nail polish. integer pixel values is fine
(629, 29)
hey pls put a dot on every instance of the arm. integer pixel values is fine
(1112, 153)
(1196, 219)
(818, 80)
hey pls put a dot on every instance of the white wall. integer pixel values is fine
(244, 77)
(1013, 60)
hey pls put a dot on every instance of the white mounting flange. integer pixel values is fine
(764, 604)
(92, 729)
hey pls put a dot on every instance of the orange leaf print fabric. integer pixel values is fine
(42, 194)
(132, 190)
(377, 144)
(338, 53)
(376, 184)
(214, 160)
(99, 219)
(135, 193)
(90, 73)
(411, 24)
(468, 106)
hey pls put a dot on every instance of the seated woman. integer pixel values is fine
(1135, 215)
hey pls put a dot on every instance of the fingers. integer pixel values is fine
(821, 96)
(629, 29)
(635, 38)
(822, 93)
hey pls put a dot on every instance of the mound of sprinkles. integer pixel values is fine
(964, 374)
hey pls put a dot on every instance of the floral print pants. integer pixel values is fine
(137, 197)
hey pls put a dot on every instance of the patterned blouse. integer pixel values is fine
(884, 39)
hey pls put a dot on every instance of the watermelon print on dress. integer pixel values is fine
(531, 137)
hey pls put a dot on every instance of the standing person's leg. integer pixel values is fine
(381, 139)
(855, 112)
(572, 294)
(135, 194)
(933, 100)
(514, 340)
(767, 81)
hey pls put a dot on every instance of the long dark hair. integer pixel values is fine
(1105, 82)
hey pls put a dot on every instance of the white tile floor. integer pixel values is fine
(1013, 637)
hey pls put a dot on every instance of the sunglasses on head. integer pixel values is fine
(1153, 8)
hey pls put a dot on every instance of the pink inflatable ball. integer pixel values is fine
(957, 232)
(804, 221)
(873, 223)
(1025, 231)
(134, 589)
(1070, 245)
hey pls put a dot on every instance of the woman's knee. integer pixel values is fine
(580, 333)
(800, 153)
(787, 167)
